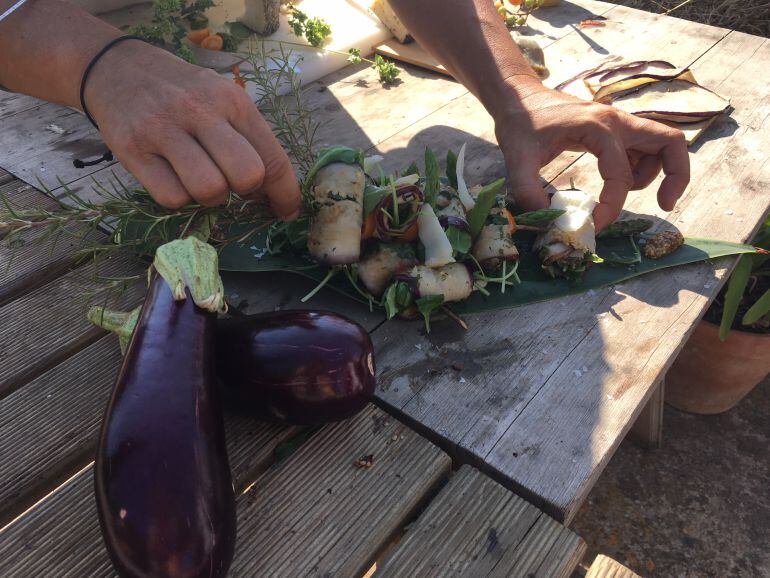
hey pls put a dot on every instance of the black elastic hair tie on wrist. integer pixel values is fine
(107, 156)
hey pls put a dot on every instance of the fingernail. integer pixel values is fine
(292, 216)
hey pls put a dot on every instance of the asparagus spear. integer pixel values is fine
(625, 228)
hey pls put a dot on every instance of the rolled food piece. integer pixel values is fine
(383, 261)
(337, 190)
(567, 247)
(448, 204)
(495, 241)
(453, 281)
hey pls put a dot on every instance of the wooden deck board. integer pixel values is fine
(475, 527)
(47, 325)
(337, 515)
(31, 259)
(48, 428)
(363, 509)
(13, 103)
(606, 567)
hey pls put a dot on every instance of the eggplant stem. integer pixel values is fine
(120, 323)
(318, 287)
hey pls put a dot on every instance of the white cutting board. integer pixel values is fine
(353, 26)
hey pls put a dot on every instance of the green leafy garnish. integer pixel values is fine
(397, 298)
(411, 170)
(372, 196)
(354, 55)
(314, 30)
(459, 239)
(386, 69)
(432, 181)
(451, 168)
(427, 305)
(485, 200)
(169, 24)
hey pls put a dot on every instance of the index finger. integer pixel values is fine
(615, 169)
(280, 184)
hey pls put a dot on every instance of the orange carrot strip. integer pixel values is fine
(197, 36)
(367, 231)
(213, 42)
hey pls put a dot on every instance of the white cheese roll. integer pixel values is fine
(335, 230)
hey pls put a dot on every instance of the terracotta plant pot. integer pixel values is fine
(711, 376)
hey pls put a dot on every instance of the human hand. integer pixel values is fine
(186, 133)
(536, 127)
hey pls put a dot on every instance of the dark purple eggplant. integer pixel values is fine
(299, 367)
(163, 488)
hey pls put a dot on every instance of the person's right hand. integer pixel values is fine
(185, 132)
(631, 151)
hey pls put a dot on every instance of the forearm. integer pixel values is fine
(472, 41)
(45, 47)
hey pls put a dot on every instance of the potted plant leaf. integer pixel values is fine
(729, 352)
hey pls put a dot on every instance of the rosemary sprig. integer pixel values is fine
(135, 224)
(279, 99)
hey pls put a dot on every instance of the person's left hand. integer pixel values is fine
(631, 151)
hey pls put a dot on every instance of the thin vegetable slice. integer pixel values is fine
(609, 75)
(438, 249)
(675, 100)
(462, 188)
(626, 85)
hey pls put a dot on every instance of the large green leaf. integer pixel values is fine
(535, 285)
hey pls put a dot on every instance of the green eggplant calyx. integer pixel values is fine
(120, 323)
(193, 265)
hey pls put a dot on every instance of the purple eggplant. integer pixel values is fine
(299, 367)
(163, 487)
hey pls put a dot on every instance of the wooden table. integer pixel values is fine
(538, 397)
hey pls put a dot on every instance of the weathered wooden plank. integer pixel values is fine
(12, 103)
(338, 516)
(61, 534)
(475, 527)
(605, 567)
(33, 152)
(44, 327)
(647, 430)
(32, 258)
(362, 510)
(579, 417)
(48, 427)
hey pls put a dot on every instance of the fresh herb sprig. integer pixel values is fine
(520, 16)
(134, 222)
(387, 71)
(314, 30)
(279, 99)
(170, 23)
